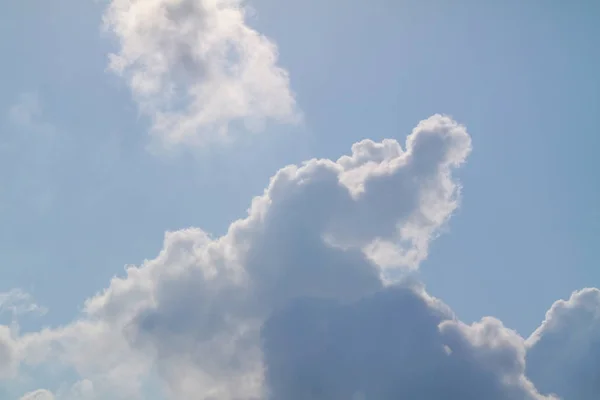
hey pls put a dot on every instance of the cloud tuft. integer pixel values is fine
(197, 68)
(564, 352)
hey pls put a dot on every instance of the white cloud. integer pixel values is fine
(40, 394)
(194, 313)
(8, 353)
(17, 302)
(564, 352)
(295, 300)
(196, 67)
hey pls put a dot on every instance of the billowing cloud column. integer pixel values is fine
(194, 313)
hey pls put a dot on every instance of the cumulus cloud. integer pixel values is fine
(194, 313)
(396, 344)
(197, 68)
(305, 297)
(564, 352)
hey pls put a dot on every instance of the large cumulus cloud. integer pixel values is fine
(194, 313)
(310, 296)
(196, 67)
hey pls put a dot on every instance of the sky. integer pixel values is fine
(228, 199)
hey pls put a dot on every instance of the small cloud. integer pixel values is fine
(197, 69)
(18, 302)
(41, 394)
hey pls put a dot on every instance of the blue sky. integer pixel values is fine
(89, 184)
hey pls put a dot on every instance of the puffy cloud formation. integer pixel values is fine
(564, 352)
(396, 344)
(195, 66)
(193, 314)
(303, 298)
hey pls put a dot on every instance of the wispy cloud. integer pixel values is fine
(18, 302)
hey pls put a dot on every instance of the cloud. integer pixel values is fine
(564, 352)
(8, 353)
(41, 394)
(17, 302)
(197, 68)
(396, 344)
(313, 295)
(81, 390)
(194, 313)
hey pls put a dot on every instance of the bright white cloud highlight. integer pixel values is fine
(196, 67)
